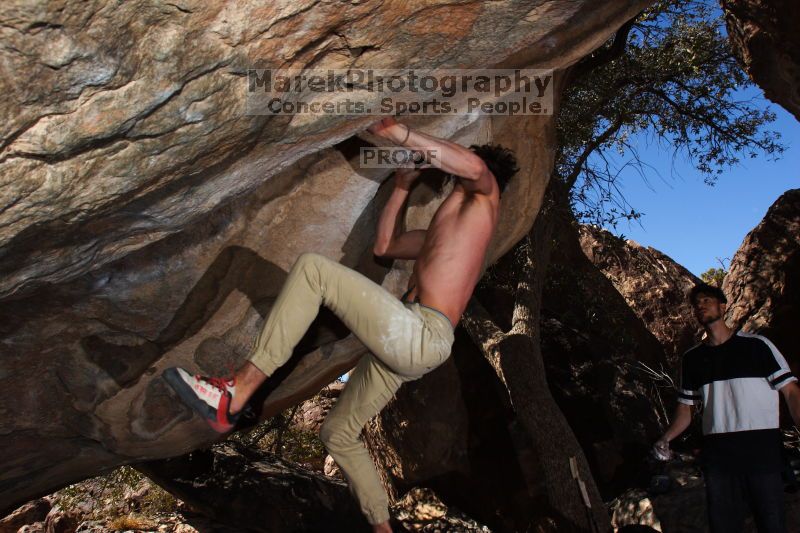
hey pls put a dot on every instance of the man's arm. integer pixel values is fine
(791, 393)
(680, 421)
(390, 241)
(450, 157)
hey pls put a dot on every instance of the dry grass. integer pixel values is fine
(124, 523)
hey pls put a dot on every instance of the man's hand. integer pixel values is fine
(388, 128)
(404, 178)
(680, 421)
(661, 450)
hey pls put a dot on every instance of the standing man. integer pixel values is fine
(736, 376)
(407, 338)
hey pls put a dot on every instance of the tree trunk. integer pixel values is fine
(517, 359)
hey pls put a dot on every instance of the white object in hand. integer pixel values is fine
(661, 450)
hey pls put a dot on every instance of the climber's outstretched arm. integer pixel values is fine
(450, 157)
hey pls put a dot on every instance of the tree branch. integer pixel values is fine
(570, 180)
(728, 136)
(606, 55)
(485, 334)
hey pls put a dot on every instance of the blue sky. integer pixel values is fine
(697, 224)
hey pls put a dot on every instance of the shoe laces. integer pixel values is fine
(219, 382)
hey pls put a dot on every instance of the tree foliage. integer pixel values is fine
(714, 276)
(673, 79)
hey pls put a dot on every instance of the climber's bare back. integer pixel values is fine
(450, 262)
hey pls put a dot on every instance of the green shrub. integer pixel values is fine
(106, 495)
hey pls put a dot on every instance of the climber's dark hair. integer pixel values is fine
(707, 290)
(500, 160)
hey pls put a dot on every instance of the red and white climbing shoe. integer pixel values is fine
(209, 397)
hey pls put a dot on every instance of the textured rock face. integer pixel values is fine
(124, 123)
(653, 285)
(597, 351)
(763, 282)
(31, 512)
(764, 35)
(146, 221)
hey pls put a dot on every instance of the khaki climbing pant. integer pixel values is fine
(407, 340)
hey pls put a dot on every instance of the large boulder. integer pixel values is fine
(146, 220)
(257, 491)
(763, 282)
(32, 512)
(607, 370)
(764, 35)
(123, 124)
(653, 285)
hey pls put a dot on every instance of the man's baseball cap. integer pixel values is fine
(708, 290)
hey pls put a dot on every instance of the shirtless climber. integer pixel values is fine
(408, 338)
